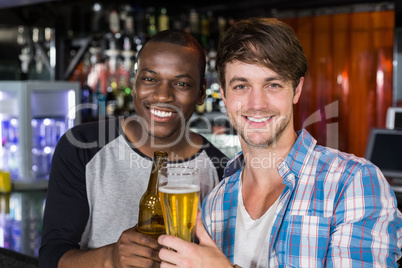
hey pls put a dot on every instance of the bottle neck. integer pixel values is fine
(158, 163)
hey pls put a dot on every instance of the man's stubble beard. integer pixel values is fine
(276, 132)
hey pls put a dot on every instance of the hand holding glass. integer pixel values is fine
(179, 192)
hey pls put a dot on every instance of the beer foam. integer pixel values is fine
(179, 189)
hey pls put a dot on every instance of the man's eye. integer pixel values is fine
(148, 79)
(182, 84)
(240, 87)
(275, 85)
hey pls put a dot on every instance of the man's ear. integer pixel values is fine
(298, 91)
(222, 95)
(201, 97)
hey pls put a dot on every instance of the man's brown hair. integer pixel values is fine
(265, 41)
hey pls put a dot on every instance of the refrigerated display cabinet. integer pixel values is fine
(33, 116)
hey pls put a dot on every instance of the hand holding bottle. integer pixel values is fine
(135, 249)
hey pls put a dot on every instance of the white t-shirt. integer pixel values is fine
(252, 236)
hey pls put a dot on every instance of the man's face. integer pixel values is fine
(166, 88)
(259, 103)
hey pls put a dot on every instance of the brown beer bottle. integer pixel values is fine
(150, 217)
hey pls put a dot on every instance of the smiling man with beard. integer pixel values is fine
(285, 201)
(100, 170)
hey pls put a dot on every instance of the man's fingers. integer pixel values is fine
(143, 246)
(173, 242)
(144, 239)
(148, 253)
(165, 264)
(169, 257)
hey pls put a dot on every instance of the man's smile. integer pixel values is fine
(258, 120)
(160, 113)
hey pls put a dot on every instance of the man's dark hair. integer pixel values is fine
(181, 38)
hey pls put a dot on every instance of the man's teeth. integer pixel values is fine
(258, 120)
(160, 113)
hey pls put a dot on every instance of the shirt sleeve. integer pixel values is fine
(368, 226)
(66, 210)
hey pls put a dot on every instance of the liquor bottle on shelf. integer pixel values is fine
(151, 22)
(179, 21)
(150, 217)
(111, 99)
(112, 52)
(209, 101)
(112, 63)
(25, 57)
(200, 109)
(95, 66)
(114, 21)
(125, 68)
(128, 106)
(125, 105)
(112, 55)
(205, 31)
(222, 26)
(86, 99)
(98, 18)
(218, 105)
(96, 81)
(194, 24)
(100, 103)
(37, 38)
(163, 20)
(140, 27)
(213, 30)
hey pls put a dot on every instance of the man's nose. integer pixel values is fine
(258, 99)
(164, 92)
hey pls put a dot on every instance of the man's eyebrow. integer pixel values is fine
(243, 79)
(237, 79)
(185, 75)
(148, 70)
(273, 78)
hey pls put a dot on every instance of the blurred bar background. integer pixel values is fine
(65, 62)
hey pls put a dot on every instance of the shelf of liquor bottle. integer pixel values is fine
(211, 122)
(216, 128)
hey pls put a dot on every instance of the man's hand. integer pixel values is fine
(187, 254)
(135, 249)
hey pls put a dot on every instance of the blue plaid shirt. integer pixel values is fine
(337, 210)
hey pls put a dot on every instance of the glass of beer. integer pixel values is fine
(179, 192)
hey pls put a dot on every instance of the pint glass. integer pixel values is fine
(179, 192)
